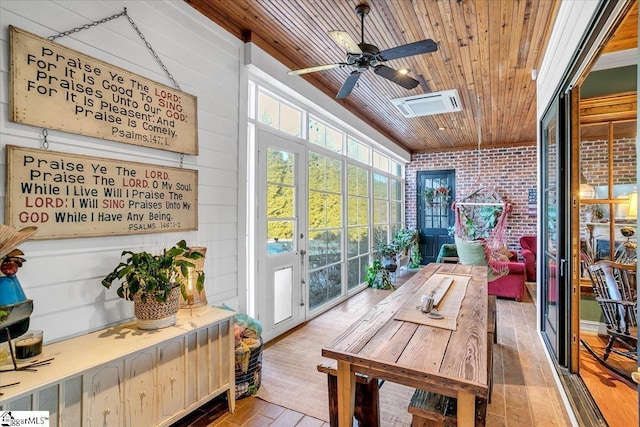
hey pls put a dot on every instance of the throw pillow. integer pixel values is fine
(474, 252)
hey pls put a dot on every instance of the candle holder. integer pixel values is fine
(28, 345)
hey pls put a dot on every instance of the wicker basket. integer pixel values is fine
(151, 314)
(248, 370)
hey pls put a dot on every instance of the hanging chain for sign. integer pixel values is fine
(135, 27)
(45, 142)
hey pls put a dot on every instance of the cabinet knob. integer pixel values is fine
(143, 394)
(173, 379)
(107, 411)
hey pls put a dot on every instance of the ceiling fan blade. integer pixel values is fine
(416, 48)
(314, 69)
(396, 76)
(345, 41)
(348, 84)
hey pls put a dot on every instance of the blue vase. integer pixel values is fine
(10, 291)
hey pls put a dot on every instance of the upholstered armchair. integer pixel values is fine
(529, 248)
(508, 282)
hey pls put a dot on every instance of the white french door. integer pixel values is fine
(281, 291)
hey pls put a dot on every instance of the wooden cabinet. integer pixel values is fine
(140, 385)
(122, 376)
(171, 370)
(103, 396)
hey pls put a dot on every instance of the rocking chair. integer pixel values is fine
(614, 287)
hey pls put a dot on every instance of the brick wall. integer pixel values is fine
(594, 161)
(511, 171)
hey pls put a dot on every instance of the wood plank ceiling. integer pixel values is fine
(487, 50)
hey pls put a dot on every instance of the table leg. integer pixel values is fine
(466, 409)
(346, 394)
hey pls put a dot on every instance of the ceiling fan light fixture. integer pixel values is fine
(404, 71)
(364, 56)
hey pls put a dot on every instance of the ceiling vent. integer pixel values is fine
(427, 104)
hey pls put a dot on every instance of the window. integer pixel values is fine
(380, 206)
(380, 161)
(358, 151)
(396, 168)
(325, 136)
(395, 200)
(357, 225)
(278, 114)
(347, 202)
(325, 229)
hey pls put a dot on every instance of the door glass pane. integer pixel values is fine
(608, 191)
(437, 202)
(551, 276)
(594, 163)
(283, 292)
(281, 201)
(279, 237)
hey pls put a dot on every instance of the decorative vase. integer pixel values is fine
(151, 314)
(10, 290)
(193, 298)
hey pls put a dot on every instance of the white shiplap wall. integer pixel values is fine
(63, 276)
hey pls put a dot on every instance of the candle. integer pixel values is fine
(190, 283)
(29, 345)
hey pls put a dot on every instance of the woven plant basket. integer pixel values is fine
(152, 314)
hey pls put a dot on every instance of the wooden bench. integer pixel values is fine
(367, 408)
(436, 410)
(430, 409)
(492, 338)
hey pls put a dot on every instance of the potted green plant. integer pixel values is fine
(386, 252)
(154, 283)
(378, 277)
(408, 241)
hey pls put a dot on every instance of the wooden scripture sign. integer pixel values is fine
(67, 195)
(58, 88)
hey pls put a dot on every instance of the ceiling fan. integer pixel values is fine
(362, 56)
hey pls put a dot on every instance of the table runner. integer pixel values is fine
(449, 306)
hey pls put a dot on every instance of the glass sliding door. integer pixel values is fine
(554, 270)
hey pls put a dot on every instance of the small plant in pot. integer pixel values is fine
(154, 283)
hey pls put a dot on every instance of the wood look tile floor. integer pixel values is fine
(524, 391)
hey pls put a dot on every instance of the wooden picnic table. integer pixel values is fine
(448, 362)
